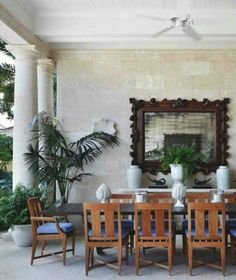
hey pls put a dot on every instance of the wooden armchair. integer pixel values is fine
(104, 233)
(202, 235)
(154, 230)
(48, 228)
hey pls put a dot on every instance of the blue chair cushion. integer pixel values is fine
(166, 230)
(185, 223)
(126, 223)
(50, 228)
(206, 232)
(233, 232)
(124, 230)
(230, 223)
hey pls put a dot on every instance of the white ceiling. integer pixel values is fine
(79, 21)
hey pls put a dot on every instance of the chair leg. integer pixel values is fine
(190, 259)
(34, 246)
(87, 253)
(64, 240)
(131, 243)
(184, 243)
(43, 244)
(119, 258)
(170, 257)
(137, 256)
(92, 256)
(222, 251)
(73, 244)
(127, 251)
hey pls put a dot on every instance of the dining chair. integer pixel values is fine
(48, 228)
(230, 224)
(154, 228)
(105, 231)
(127, 221)
(202, 235)
(192, 197)
(160, 197)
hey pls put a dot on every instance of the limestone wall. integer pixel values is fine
(94, 84)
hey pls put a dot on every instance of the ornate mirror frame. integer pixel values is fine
(217, 107)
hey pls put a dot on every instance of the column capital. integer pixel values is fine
(26, 52)
(46, 65)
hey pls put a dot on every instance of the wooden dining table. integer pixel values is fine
(126, 209)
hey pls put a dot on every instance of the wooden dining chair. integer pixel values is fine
(160, 197)
(105, 232)
(126, 220)
(153, 232)
(48, 228)
(200, 235)
(192, 197)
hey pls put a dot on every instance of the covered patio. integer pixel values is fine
(113, 66)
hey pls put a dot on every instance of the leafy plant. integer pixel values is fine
(54, 161)
(13, 205)
(185, 155)
(6, 152)
(7, 74)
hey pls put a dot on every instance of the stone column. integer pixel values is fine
(25, 108)
(45, 85)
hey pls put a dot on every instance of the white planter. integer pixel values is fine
(134, 177)
(22, 235)
(176, 172)
(223, 178)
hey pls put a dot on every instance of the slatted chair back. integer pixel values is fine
(105, 218)
(197, 197)
(162, 197)
(121, 198)
(35, 208)
(152, 216)
(214, 230)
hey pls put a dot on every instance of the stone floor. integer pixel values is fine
(14, 264)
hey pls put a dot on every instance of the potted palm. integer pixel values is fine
(14, 212)
(57, 162)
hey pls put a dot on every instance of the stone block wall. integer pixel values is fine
(96, 84)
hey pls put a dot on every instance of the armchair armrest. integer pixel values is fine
(46, 219)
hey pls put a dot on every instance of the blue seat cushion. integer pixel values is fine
(230, 223)
(124, 230)
(166, 230)
(50, 228)
(185, 223)
(126, 223)
(206, 232)
(233, 232)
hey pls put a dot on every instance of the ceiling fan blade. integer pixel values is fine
(190, 32)
(163, 31)
(153, 17)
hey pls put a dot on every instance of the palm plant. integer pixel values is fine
(54, 161)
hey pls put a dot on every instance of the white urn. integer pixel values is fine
(134, 177)
(178, 193)
(176, 172)
(223, 178)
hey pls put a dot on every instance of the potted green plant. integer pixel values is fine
(176, 156)
(14, 212)
(57, 162)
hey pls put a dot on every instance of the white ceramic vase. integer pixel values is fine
(22, 235)
(176, 172)
(223, 178)
(134, 177)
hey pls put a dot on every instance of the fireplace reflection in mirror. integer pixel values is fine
(164, 129)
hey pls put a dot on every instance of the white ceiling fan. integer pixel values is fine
(185, 24)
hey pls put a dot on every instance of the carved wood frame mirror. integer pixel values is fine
(156, 124)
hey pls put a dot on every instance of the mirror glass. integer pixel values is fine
(163, 129)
